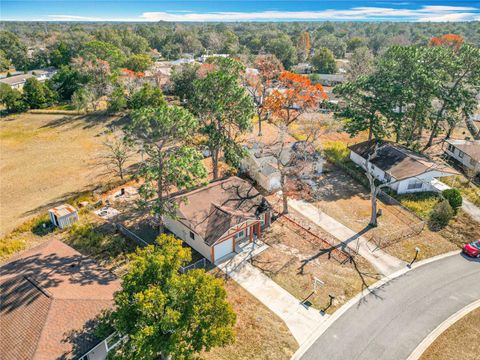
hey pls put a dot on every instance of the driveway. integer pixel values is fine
(301, 321)
(390, 322)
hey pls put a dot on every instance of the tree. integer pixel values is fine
(441, 215)
(165, 314)
(4, 61)
(99, 50)
(146, 96)
(356, 42)
(14, 49)
(81, 99)
(12, 99)
(224, 109)
(335, 45)
(282, 47)
(258, 84)
(117, 101)
(139, 62)
(361, 107)
(164, 134)
(37, 95)
(324, 61)
(117, 153)
(454, 198)
(66, 81)
(361, 63)
(304, 46)
(182, 80)
(298, 95)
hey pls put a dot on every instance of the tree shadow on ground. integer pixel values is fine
(89, 121)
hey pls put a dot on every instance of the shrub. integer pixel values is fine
(441, 215)
(336, 151)
(453, 197)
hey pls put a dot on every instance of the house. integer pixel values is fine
(329, 79)
(50, 297)
(260, 163)
(17, 81)
(303, 68)
(205, 57)
(466, 152)
(218, 220)
(63, 215)
(406, 170)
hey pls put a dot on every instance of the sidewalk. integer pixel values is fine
(383, 262)
(300, 320)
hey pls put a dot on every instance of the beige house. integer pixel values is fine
(465, 152)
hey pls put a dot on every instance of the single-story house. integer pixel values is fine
(219, 219)
(466, 152)
(406, 170)
(63, 215)
(205, 57)
(329, 79)
(50, 297)
(17, 81)
(303, 68)
(260, 163)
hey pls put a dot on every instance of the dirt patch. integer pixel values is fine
(45, 159)
(459, 341)
(295, 258)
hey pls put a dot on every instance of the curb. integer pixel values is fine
(440, 329)
(324, 326)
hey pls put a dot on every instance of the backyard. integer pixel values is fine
(45, 159)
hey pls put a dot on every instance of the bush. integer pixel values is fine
(453, 197)
(441, 215)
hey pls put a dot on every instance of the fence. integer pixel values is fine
(384, 241)
(131, 235)
(200, 264)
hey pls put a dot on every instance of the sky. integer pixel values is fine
(238, 10)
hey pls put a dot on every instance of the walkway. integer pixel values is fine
(383, 262)
(300, 320)
(391, 321)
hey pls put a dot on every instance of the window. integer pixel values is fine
(451, 148)
(460, 154)
(192, 235)
(387, 177)
(240, 234)
(414, 184)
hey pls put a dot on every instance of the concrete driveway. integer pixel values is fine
(391, 322)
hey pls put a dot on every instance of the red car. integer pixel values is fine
(472, 249)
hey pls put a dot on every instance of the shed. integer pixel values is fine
(63, 215)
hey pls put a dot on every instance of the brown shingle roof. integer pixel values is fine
(50, 296)
(397, 160)
(212, 210)
(469, 147)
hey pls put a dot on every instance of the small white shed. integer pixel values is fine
(63, 215)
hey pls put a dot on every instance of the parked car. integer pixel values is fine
(472, 249)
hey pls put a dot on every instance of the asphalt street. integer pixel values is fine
(390, 322)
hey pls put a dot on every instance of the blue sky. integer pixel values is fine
(237, 10)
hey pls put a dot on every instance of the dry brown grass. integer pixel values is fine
(344, 199)
(295, 257)
(44, 159)
(260, 334)
(459, 341)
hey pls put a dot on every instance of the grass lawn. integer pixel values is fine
(296, 257)
(45, 159)
(260, 334)
(459, 341)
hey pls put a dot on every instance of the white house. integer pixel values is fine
(219, 219)
(17, 81)
(406, 170)
(63, 215)
(466, 152)
(260, 163)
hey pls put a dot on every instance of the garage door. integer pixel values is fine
(222, 249)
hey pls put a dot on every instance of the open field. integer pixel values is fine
(459, 341)
(296, 257)
(45, 159)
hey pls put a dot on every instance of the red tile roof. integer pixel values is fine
(49, 297)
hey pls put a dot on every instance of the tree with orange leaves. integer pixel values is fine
(451, 40)
(296, 95)
(268, 68)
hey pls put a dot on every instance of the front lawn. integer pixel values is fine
(295, 258)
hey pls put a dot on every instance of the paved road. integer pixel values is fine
(390, 323)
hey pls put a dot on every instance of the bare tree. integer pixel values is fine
(117, 154)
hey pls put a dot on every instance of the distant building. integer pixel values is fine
(465, 152)
(205, 57)
(406, 170)
(50, 297)
(303, 68)
(63, 215)
(329, 79)
(17, 81)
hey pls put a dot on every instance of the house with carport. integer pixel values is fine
(407, 171)
(220, 219)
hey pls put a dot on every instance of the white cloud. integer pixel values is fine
(425, 13)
